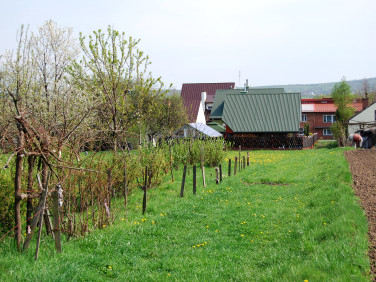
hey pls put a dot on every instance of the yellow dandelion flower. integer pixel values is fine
(242, 235)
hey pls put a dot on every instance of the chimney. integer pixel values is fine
(203, 99)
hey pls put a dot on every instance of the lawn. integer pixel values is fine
(290, 215)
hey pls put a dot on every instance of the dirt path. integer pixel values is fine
(363, 168)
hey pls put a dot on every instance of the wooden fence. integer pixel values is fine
(274, 142)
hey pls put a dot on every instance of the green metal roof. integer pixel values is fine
(220, 95)
(262, 113)
(216, 126)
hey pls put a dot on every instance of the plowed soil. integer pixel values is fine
(363, 168)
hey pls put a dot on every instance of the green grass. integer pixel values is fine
(291, 215)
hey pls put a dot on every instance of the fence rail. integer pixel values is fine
(274, 142)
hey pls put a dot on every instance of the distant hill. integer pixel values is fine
(311, 90)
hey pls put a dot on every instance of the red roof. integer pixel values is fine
(191, 95)
(325, 108)
(327, 105)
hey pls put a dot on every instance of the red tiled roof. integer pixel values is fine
(191, 95)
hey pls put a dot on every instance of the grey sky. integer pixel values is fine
(268, 41)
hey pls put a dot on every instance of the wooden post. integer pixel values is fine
(194, 180)
(48, 223)
(36, 217)
(229, 167)
(203, 175)
(247, 158)
(172, 174)
(145, 189)
(57, 201)
(240, 150)
(125, 190)
(220, 173)
(216, 175)
(243, 162)
(202, 164)
(41, 216)
(236, 164)
(183, 182)
(29, 208)
(109, 187)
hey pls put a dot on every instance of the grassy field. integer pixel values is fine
(291, 215)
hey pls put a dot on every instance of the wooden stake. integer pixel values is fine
(247, 158)
(236, 164)
(41, 216)
(56, 198)
(145, 191)
(220, 173)
(203, 176)
(243, 162)
(202, 164)
(172, 174)
(48, 223)
(216, 175)
(240, 150)
(35, 219)
(125, 190)
(183, 182)
(229, 167)
(194, 180)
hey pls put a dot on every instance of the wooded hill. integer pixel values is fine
(310, 90)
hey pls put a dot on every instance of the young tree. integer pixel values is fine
(168, 116)
(342, 96)
(113, 70)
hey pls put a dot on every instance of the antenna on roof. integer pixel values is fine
(239, 79)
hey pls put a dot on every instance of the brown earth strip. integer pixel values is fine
(363, 169)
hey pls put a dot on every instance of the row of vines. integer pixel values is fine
(97, 178)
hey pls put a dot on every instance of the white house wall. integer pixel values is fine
(366, 116)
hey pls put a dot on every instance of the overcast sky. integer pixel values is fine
(268, 41)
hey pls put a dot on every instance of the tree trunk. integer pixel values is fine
(17, 187)
(29, 209)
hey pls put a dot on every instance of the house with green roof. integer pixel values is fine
(257, 112)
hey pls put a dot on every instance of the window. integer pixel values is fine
(329, 118)
(304, 118)
(327, 132)
(301, 131)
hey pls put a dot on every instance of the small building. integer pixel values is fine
(196, 130)
(262, 114)
(320, 115)
(363, 120)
